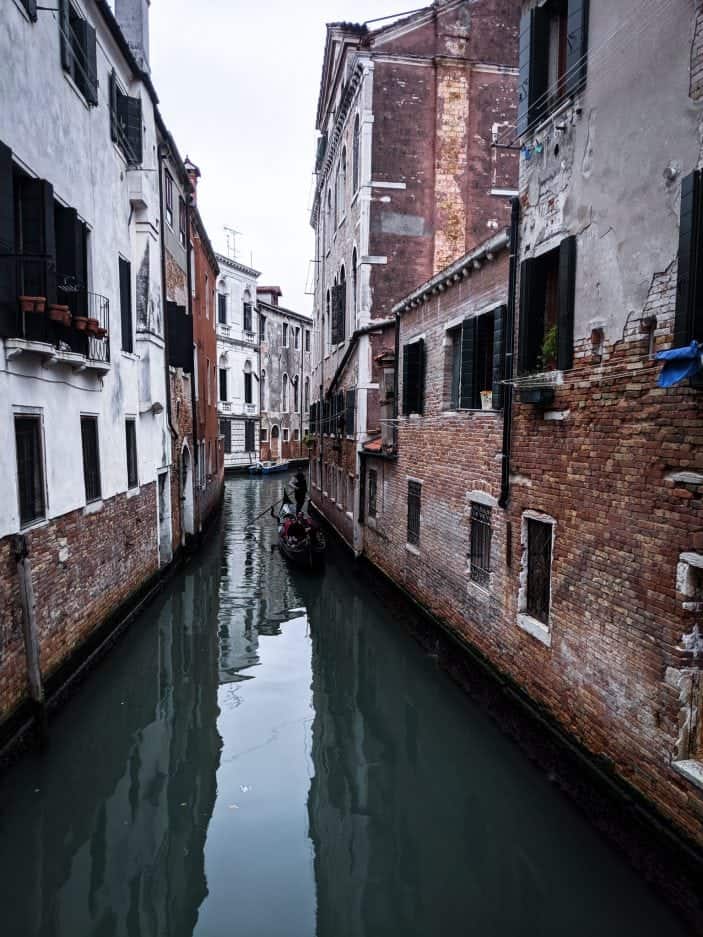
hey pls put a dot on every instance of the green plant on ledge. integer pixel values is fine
(548, 352)
(308, 441)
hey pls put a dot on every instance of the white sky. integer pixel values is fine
(238, 82)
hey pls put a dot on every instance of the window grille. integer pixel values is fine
(480, 543)
(539, 565)
(91, 457)
(132, 470)
(30, 469)
(414, 493)
(373, 487)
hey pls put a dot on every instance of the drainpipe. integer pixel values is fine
(31, 640)
(508, 367)
(189, 287)
(396, 382)
(162, 150)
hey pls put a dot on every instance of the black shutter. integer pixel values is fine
(689, 296)
(530, 331)
(567, 292)
(8, 266)
(467, 393)
(349, 413)
(31, 8)
(534, 52)
(527, 23)
(338, 313)
(113, 106)
(577, 45)
(90, 64)
(66, 241)
(413, 377)
(126, 304)
(64, 36)
(227, 433)
(339, 425)
(38, 237)
(498, 357)
(180, 337)
(133, 115)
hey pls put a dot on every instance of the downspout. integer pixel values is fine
(509, 355)
(396, 383)
(193, 402)
(164, 297)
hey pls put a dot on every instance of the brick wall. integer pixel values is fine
(84, 565)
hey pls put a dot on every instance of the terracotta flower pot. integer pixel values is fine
(93, 326)
(101, 333)
(58, 313)
(81, 323)
(33, 303)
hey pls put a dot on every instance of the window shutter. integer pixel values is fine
(527, 22)
(413, 377)
(38, 231)
(64, 33)
(133, 111)
(577, 45)
(126, 308)
(113, 106)
(689, 316)
(406, 379)
(31, 8)
(349, 413)
(498, 357)
(339, 423)
(567, 292)
(8, 267)
(529, 336)
(338, 313)
(90, 63)
(467, 396)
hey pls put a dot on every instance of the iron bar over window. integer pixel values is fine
(414, 492)
(539, 563)
(132, 472)
(480, 543)
(30, 469)
(91, 457)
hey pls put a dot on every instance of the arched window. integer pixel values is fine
(355, 156)
(224, 366)
(354, 296)
(248, 386)
(296, 395)
(284, 396)
(306, 394)
(342, 282)
(329, 217)
(247, 311)
(262, 385)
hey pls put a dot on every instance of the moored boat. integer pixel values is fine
(300, 539)
(268, 467)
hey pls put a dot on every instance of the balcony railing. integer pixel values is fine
(78, 322)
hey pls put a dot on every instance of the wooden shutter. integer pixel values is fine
(530, 331)
(498, 357)
(534, 51)
(126, 304)
(339, 422)
(31, 8)
(689, 283)
(577, 45)
(467, 393)
(413, 377)
(90, 64)
(38, 237)
(567, 292)
(113, 106)
(64, 36)
(8, 263)
(527, 22)
(133, 128)
(338, 312)
(349, 413)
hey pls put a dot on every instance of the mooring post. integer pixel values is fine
(31, 641)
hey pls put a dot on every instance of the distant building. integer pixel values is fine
(285, 345)
(238, 362)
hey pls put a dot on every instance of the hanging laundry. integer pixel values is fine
(679, 364)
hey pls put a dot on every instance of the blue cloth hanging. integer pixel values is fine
(679, 364)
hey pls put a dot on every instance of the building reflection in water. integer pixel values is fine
(113, 820)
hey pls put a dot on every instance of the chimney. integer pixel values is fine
(193, 174)
(133, 19)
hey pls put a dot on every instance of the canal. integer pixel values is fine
(268, 754)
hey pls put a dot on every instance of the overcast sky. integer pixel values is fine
(238, 84)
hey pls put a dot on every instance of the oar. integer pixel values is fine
(265, 511)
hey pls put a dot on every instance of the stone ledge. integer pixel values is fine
(534, 627)
(691, 770)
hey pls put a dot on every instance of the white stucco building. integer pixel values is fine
(238, 362)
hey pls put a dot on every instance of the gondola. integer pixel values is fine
(299, 539)
(267, 468)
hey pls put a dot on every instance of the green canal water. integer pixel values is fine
(267, 754)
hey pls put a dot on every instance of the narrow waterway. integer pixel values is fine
(268, 754)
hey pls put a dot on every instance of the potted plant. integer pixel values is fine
(308, 441)
(549, 350)
(93, 326)
(58, 313)
(101, 333)
(81, 323)
(486, 399)
(32, 303)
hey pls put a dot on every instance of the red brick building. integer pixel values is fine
(407, 180)
(209, 459)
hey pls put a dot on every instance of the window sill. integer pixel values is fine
(479, 592)
(93, 507)
(133, 492)
(411, 548)
(35, 524)
(350, 515)
(130, 355)
(556, 111)
(77, 91)
(536, 628)
(371, 522)
(690, 769)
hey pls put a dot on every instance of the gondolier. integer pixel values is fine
(300, 490)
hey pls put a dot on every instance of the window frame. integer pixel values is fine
(480, 539)
(414, 513)
(168, 198)
(540, 628)
(132, 453)
(372, 505)
(92, 475)
(39, 484)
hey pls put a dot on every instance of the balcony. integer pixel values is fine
(249, 336)
(224, 330)
(74, 330)
(225, 406)
(250, 409)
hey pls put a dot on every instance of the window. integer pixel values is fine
(78, 51)
(306, 394)
(182, 221)
(249, 436)
(413, 377)
(126, 122)
(286, 434)
(30, 469)
(226, 432)
(31, 8)
(539, 566)
(354, 288)
(355, 155)
(341, 493)
(285, 335)
(126, 305)
(553, 57)
(329, 223)
(247, 314)
(296, 435)
(262, 328)
(131, 441)
(414, 493)
(307, 339)
(248, 397)
(91, 457)
(474, 362)
(341, 186)
(337, 322)
(263, 434)
(295, 393)
(296, 338)
(350, 493)
(207, 379)
(323, 336)
(262, 388)
(222, 308)
(207, 296)
(689, 285)
(480, 555)
(168, 195)
(547, 289)
(284, 396)
(223, 384)
(373, 489)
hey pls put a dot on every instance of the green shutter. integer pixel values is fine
(529, 336)
(523, 100)
(567, 293)
(498, 357)
(467, 393)
(90, 64)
